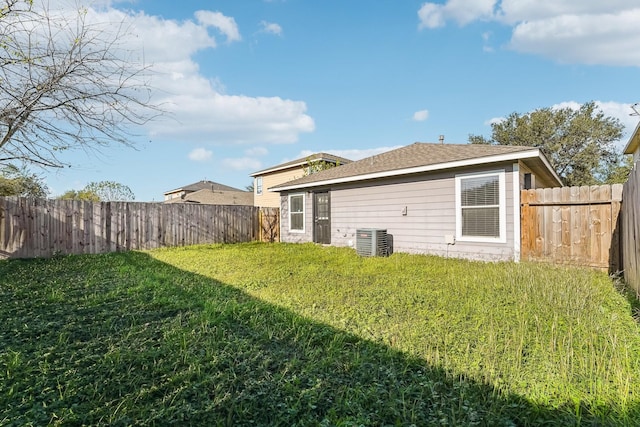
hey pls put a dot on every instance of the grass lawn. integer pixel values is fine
(259, 334)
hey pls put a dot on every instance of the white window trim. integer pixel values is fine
(304, 212)
(259, 186)
(502, 208)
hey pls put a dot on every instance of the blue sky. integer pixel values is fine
(253, 83)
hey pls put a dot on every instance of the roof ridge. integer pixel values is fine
(291, 163)
(411, 157)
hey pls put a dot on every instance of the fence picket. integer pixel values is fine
(574, 225)
(40, 228)
(630, 234)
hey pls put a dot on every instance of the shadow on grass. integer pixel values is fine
(125, 339)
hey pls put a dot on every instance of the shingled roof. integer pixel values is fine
(320, 157)
(216, 197)
(204, 185)
(422, 157)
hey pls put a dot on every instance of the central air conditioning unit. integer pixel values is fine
(371, 242)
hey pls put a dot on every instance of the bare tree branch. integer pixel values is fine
(66, 83)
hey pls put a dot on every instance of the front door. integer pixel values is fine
(321, 218)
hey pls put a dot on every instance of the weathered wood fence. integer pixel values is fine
(572, 225)
(631, 230)
(41, 228)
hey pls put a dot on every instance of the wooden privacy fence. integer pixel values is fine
(631, 230)
(572, 225)
(41, 228)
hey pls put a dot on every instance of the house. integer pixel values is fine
(288, 171)
(633, 146)
(209, 193)
(444, 199)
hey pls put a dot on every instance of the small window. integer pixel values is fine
(296, 213)
(480, 207)
(259, 185)
(527, 181)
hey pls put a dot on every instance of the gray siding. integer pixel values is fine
(430, 215)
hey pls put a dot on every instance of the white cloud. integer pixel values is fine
(199, 107)
(421, 116)
(486, 38)
(433, 15)
(235, 119)
(242, 164)
(271, 28)
(494, 120)
(514, 11)
(574, 31)
(617, 110)
(225, 24)
(256, 151)
(610, 39)
(200, 155)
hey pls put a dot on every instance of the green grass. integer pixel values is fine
(259, 334)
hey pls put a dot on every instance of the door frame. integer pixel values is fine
(316, 227)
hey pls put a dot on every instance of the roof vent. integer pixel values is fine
(371, 242)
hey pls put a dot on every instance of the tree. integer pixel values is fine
(110, 191)
(105, 191)
(579, 143)
(619, 174)
(19, 182)
(80, 195)
(316, 165)
(65, 83)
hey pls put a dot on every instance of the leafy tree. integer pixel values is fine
(619, 174)
(105, 191)
(19, 182)
(110, 191)
(80, 195)
(316, 165)
(65, 83)
(579, 143)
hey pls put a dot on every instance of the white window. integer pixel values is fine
(259, 185)
(481, 207)
(296, 213)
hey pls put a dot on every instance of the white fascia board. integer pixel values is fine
(535, 152)
(553, 171)
(173, 191)
(634, 141)
(278, 168)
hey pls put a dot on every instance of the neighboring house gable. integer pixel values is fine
(279, 174)
(444, 199)
(209, 192)
(211, 197)
(633, 146)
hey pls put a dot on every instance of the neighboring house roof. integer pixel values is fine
(320, 157)
(202, 185)
(212, 197)
(425, 157)
(634, 141)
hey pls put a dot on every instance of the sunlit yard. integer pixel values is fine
(259, 334)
